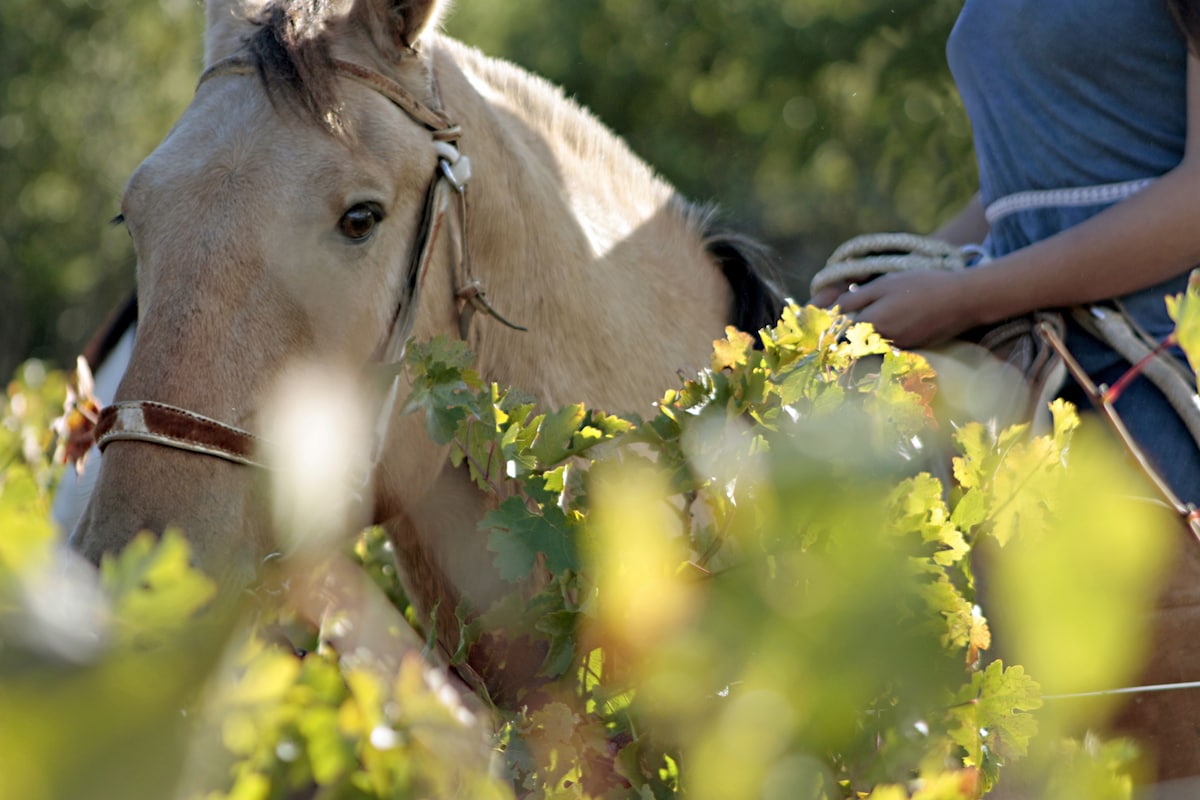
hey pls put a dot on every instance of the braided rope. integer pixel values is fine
(872, 254)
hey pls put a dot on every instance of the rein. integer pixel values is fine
(172, 426)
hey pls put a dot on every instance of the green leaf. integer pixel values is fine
(970, 510)
(608, 425)
(330, 755)
(556, 434)
(1184, 309)
(26, 530)
(154, 587)
(443, 386)
(918, 507)
(993, 719)
(560, 627)
(517, 536)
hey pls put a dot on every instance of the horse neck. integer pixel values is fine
(577, 240)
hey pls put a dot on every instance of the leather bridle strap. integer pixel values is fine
(438, 123)
(453, 175)
(170, 426)
(167, 425)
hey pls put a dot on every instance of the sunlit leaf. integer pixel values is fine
(993, 719)
(556, 434)
(1184, 309)
(26, 529)
(1075, 590)
(733, 350)
(153, 585)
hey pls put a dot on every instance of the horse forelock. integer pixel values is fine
(291, 47)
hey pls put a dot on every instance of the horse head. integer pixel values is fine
(310, 205)
(276, 222)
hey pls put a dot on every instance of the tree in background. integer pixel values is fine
(86, 91)
(807, 120)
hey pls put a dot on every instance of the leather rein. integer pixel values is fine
(171, 426)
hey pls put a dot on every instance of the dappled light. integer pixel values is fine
(317, 432)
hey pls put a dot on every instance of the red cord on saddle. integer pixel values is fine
(1111, 393)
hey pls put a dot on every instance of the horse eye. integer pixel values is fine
(359, 221)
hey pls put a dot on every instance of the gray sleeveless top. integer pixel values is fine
(1069, 94)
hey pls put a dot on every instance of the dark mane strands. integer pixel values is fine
(749, 266)
(291, 49)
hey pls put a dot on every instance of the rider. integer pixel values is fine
(1086, 118)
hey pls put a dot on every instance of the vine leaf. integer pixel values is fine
(517, 537)
(1184, 309)
(556, 434)
(153, 584)
(442, 384)
(994, 723)
(732, 351)
(917, 507)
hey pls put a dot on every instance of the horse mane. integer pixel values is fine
(291, 48)
(750, 267)
(545, 106)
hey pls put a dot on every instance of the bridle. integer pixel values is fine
(179, 428)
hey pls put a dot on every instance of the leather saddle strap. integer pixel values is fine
(162, 424)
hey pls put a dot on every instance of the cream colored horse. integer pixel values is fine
(279, 219)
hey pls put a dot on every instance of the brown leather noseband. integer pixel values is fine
(147, 421)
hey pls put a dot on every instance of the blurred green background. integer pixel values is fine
(808, 120)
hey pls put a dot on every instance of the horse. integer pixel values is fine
(312, 204)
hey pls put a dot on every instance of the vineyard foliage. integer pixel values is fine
(766, 588)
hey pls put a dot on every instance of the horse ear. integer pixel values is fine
(395, 25)
(226, 27)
